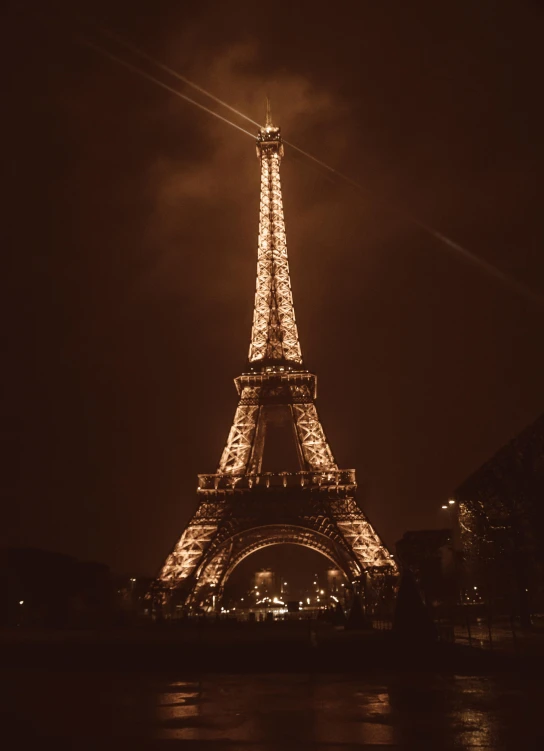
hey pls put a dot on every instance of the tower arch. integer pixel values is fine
(214, 572)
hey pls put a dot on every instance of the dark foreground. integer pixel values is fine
(329, 691)
(275, 711)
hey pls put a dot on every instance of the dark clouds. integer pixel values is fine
(130, 285)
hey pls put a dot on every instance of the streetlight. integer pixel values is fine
(453, 509)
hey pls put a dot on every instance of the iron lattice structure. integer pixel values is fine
(241, 508)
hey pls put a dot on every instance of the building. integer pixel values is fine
(264, 581)
(501, 517)
(335, 579)
(44, 589)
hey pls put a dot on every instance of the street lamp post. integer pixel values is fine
(451, 507)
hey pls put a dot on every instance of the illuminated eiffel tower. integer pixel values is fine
(242, 509)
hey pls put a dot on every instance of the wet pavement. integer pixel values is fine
(95, 710)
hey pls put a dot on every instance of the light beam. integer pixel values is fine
(149, 77)
(485, 266)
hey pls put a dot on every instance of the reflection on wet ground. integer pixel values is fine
(257, 712)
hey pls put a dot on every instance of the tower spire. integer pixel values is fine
(274, 335)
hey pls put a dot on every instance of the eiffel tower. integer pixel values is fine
(241, 508)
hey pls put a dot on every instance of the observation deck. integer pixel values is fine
(340, 479)
(269, 140)
(277, 376)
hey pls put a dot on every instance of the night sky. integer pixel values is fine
(131, 255)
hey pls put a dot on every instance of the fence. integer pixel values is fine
(480, 629)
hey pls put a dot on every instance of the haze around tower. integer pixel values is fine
(129, 288)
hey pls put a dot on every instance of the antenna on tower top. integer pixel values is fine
(268, 115)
